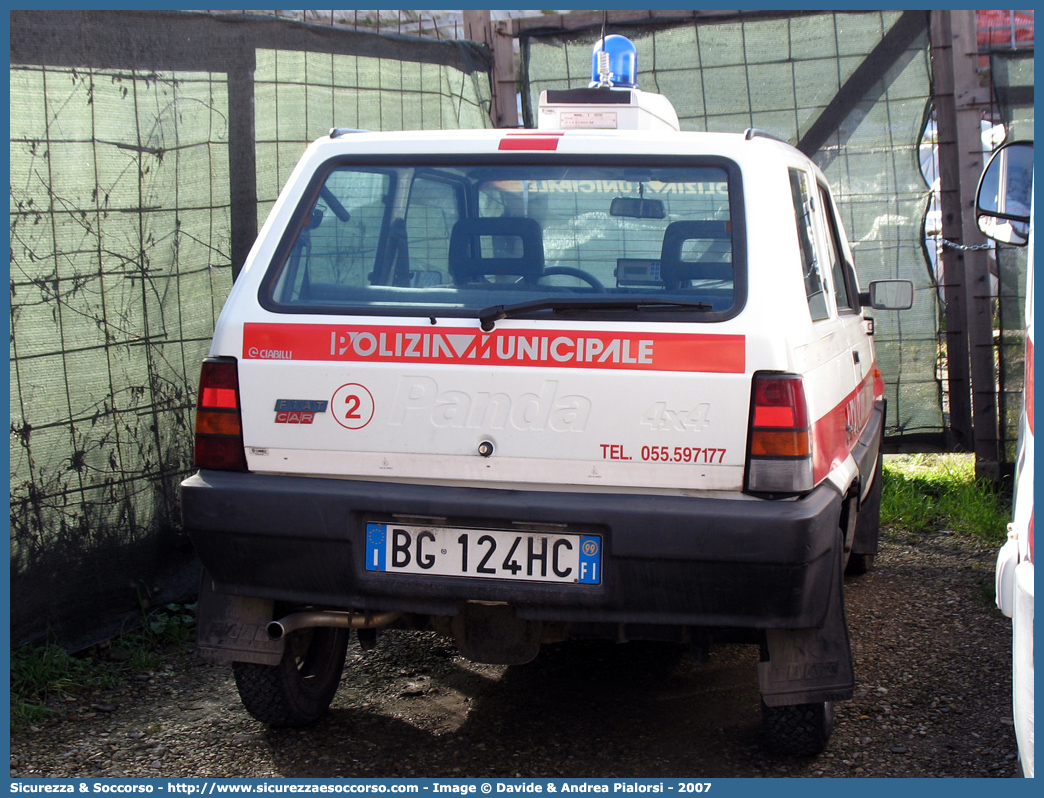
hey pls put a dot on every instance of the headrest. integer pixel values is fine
(676, 272)
(518, 249)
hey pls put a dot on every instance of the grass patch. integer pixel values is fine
(44, 675)
(43, 678)
(928, 493)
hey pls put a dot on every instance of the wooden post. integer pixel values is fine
(242, 160)
(478, 27)
(969, 305)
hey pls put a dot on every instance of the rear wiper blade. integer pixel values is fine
(491, 315)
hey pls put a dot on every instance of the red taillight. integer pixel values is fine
(219, 398)
(219, 429)
(779, 448)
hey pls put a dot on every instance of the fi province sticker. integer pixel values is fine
(642, 351)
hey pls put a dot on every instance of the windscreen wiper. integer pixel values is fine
(490, 316)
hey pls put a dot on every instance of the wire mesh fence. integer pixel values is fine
(140, 156)
(852, 90)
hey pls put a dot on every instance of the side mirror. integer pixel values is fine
(888, 295)
(1002, 202)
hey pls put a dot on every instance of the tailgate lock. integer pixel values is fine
(486, 448)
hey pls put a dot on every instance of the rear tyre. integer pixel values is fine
(298, 690)
(859, 564)
(798, 729)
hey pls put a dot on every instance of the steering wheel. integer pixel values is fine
(570, 271)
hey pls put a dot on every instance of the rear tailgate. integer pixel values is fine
(530, 404)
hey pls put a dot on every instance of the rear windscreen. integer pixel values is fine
(452, 240)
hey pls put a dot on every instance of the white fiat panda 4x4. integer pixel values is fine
(598, 379)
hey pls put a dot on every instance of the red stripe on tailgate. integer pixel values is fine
(712, 353)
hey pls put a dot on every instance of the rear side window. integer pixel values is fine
(340, 235)
(452, 238)
(811, 262)
(433, 209)
(840, 269)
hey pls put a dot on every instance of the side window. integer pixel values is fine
(346, 227)
(840, 269)
(811, 263)
(433, 210)
(338, 246)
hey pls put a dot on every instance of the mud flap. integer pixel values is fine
(806, 666)
(850, 525)
(232, 628)
(867, 453)
(868, 521)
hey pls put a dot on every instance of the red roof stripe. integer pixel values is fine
(529, 143)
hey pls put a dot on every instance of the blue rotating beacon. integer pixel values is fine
(614, 63)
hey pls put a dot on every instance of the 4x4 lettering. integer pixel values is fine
(669, 419)
(660, 417)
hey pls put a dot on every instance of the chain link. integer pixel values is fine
(963, 247)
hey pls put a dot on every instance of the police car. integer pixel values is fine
(601, 378)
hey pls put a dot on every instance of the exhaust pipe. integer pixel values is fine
(277, 630)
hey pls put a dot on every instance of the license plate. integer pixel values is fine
(484, 553)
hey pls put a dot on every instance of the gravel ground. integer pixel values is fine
(932, 700)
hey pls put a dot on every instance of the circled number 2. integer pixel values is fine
(352, 406)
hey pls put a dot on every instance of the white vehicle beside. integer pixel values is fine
(598, 379)
(1005, 207)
